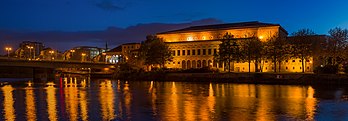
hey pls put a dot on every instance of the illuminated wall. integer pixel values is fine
(196, 49)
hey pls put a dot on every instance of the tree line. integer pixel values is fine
(330, 50)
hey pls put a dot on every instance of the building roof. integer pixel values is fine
(116, 49)
(130, 43)
(251, 24)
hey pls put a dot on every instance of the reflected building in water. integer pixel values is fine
(126, 100)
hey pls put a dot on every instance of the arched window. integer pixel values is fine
(199, 64)
(189, 64)
(183, 63)
(205, 63)
(194, 64)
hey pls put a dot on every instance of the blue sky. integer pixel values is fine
(32, 17)
(81, 15)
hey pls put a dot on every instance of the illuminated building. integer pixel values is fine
(83, 53)
(29, 50)
(50, 54)
(194, 47)
(123, 53)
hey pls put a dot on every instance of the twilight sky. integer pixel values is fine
(63, 24)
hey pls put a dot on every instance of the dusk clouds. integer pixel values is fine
(63, 40)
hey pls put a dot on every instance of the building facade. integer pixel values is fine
(194, 47)
(83, 53)
(124, 53)
(29, 50)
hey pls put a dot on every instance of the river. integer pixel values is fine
(103, 99)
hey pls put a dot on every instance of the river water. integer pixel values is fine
(103, 99)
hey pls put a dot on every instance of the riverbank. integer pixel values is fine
(251, 78)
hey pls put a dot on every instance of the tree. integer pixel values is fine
(303, 32)
(301, 44)
(252, 51)
(336, 44)
(154, 51)
(277, 49)
(229, 51)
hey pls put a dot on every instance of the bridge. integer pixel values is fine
(19, 68)
(53, 64)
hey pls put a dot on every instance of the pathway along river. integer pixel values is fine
(84, 99)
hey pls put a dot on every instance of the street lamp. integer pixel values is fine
(30, 47)
(8, 49)
(51, 52)
(83, 57)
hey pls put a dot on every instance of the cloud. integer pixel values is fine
(108, 5)
(113, 35)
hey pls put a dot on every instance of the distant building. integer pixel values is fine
(29, 50)
(83, 53)
(124, 53)
(50, 54)
(130, 50)
(114, 55)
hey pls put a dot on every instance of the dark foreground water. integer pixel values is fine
(85, 99)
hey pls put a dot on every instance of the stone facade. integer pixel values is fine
(194, 47)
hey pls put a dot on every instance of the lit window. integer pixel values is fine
(189, 38)
(203, 37)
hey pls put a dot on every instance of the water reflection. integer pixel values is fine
(74, 98)
(8, 103)
(106, 98)
(30, 103)
(51, 102)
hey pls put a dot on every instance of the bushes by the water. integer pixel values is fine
(327, 69)
(126, 71)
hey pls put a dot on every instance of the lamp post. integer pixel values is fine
(30, 47)
(8, 49)
(51, 52)
(83, 57)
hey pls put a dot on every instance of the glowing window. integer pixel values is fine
(189, 38)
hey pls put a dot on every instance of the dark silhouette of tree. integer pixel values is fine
(301, 45)
(154, 51)
(336, 44)
(229, 51)
(277, 49)
(252, 51)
